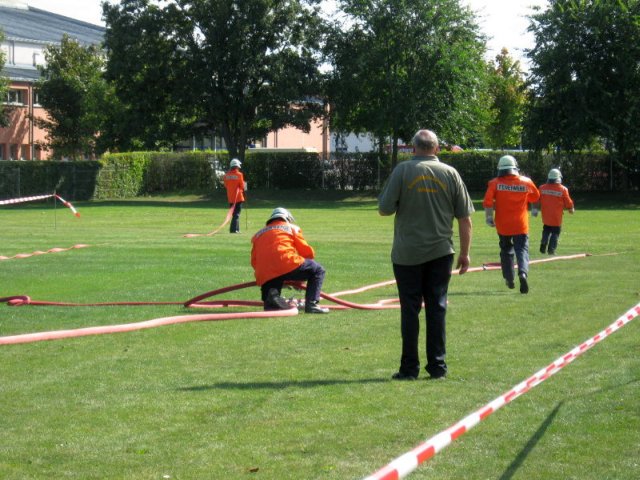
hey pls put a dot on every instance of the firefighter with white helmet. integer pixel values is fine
(506, 205)
(235, 185)
(554, 200)
(279, 252)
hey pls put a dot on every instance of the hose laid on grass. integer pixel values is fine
(19, 300)
(222, 225)
(40, 252)
(227, 218)
(129, 327)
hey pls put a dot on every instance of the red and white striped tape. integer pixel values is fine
(407, 463)
(12, 201)
(24, 199)
(68, 205)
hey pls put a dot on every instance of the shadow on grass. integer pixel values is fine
(528, 448)
(278, 385)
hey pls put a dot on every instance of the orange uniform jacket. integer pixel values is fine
(554, 199)
(234, 183)
(510, 196)
(277, 249)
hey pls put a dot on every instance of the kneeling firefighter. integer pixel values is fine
(279, 253)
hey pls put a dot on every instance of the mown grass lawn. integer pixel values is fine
(307, 397)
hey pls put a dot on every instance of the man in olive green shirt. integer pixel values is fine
(425, 195)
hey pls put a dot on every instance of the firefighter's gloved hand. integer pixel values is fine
(488, 212)
(572, 210)
(534, 212)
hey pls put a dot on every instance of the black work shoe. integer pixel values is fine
(403, 376)
(524, 285)
(313, 307)
(552, 252)
(543, 248)
(510, 284)
(275, 301)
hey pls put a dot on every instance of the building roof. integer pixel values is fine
(21, 73)
(22, 23)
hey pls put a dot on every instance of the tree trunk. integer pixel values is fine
(394, 150)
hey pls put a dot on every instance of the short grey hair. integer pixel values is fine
(425, 140)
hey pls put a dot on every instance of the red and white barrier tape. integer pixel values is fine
(68, 205)
(40, 197)
(407, 463)
(11, 201)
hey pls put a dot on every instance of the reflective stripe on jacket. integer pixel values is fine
(510, 196)
(554, 199)
(277, 249)
(234, 183)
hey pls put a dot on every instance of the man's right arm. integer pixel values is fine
(388, 199)
(465, 232)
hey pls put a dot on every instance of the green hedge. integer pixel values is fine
(582, 172)
(145, 173)
(134, 174)
(71, 180)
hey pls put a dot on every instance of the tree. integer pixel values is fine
(507, 92)
(585, 77)
(153, 99)
(70, 91)
(400, 65)
(242, 68)
(255, 64)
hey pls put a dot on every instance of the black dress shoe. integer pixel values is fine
(313, 307)
(403, 376)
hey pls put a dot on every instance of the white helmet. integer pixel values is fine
(507, 165)
(282, 213)
(555, 175)
(235, 163)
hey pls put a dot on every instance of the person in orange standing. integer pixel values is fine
(554, 200)
(235, 186)
(509, 195)
(279, 252)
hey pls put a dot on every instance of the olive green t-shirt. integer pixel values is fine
(425, 195)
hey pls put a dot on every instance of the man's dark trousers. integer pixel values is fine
(428, 282)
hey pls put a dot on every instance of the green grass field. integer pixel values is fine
(308, 397)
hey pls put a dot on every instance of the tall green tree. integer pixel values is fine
(240, 68)
(585, 77)
(255, 65)
(153, 101)
(70, 90)
(399, 65)
(507, 92)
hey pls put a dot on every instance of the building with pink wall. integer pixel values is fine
(27, 32)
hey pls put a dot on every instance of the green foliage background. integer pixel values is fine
(134, 174)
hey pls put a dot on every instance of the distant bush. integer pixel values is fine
(123, 175)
